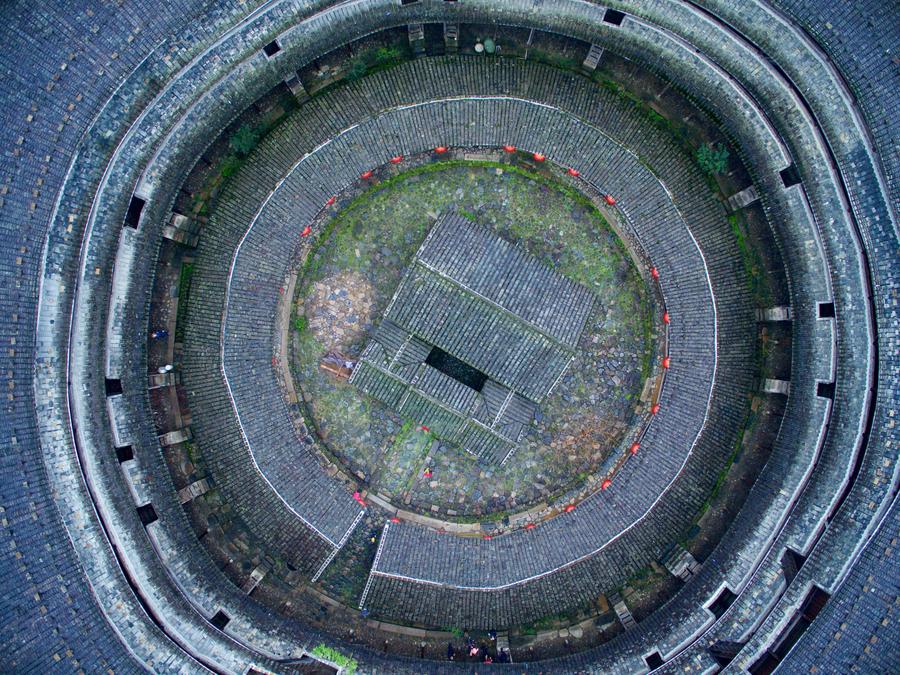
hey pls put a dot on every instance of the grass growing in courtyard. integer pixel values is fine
(584, 259)
(753, 265)
(184, 290)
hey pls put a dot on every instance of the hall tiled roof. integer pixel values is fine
(489, 266)
(491, 306)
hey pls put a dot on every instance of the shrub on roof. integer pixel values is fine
(244, 140)
(334, 656)
(712, 159)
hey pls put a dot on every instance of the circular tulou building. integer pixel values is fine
(437, 336)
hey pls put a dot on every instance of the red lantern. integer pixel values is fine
(424, 428)
(365, 175)
(440, 149)
(530, 526)
(609, 199)
(635, 447)
(654, 273)
(538, 157)
(509, 148)
(654, 409)
(395, 519)
(358, 498)
(605, 484)
(666, 319)
(574, 172)
(397, 159)
(306, 231)
(667, 362)
(487, 537)
(331, 201)
(569, 508)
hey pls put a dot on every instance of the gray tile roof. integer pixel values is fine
(439, 402)
(491, 267)
(846, 33)
(469, 328)
(493, 307)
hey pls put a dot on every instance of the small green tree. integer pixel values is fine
(357, 68)
(385, 55)
(348, 664)
(244, 140)
(712, 159)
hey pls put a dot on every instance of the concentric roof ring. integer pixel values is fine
(797, 290)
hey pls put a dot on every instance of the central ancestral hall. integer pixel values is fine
(477, 335)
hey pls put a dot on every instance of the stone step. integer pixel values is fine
(743, 198)
(451, 38)
(780, 313)
(592, 58)
(622, 611)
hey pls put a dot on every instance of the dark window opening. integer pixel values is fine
(434, 38)
(404, 3)
(814, 603)
(790, 176)
(809, 610)
(147, 514)
(724, 651)
(451, 366)
(124, 453)
(133, 215)
(811, 607)
(113, 387)
(764, 665)
(722, 602)
(220, 620)
(826, 310)
(653, 660)
(614, 17)
(791, 562)
(825, 389)
(272, 48)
